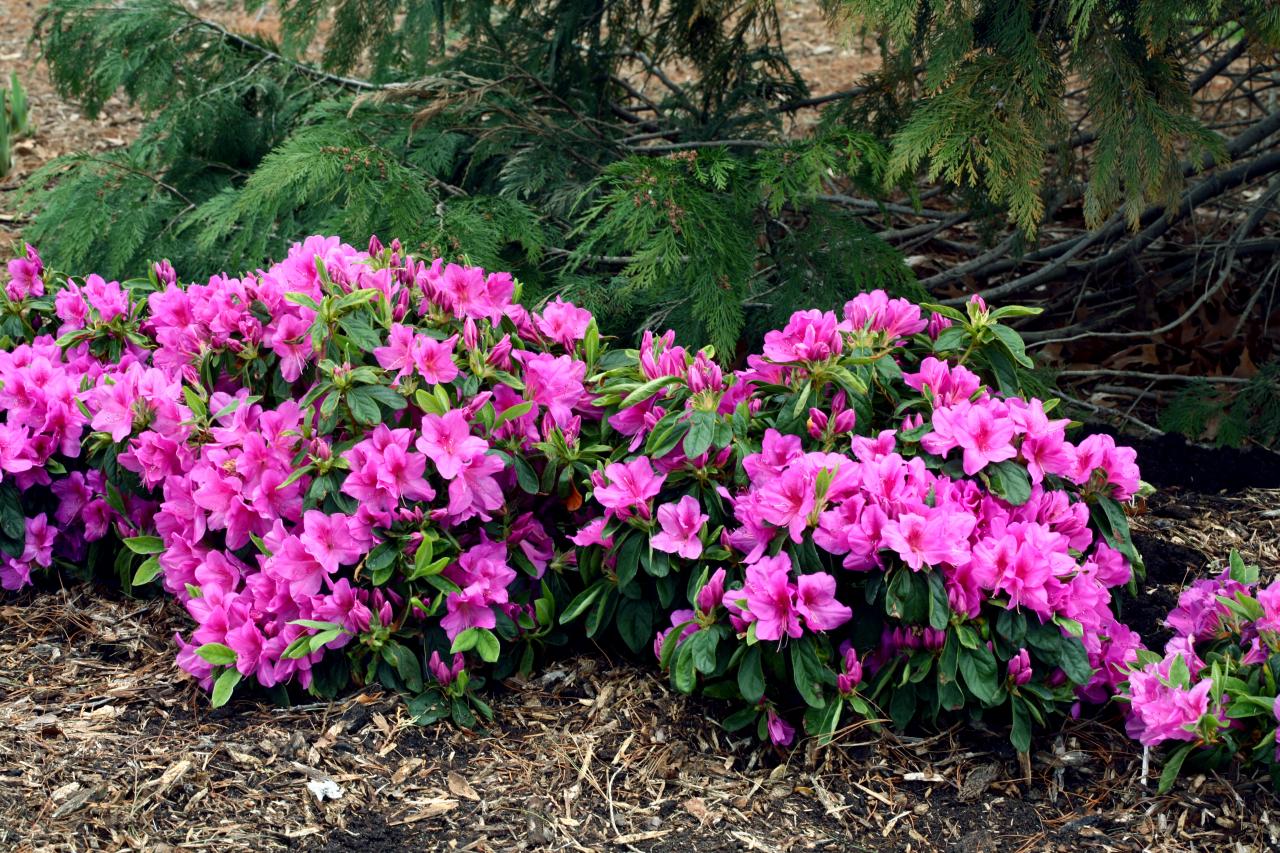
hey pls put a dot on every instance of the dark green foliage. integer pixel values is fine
(974, 93)
(504, 132)
(1231, 416)
(549, 138)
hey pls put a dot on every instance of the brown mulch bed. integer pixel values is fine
(105, 745)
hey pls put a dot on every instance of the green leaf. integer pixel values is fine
(635, 623)
(144, 544)
(751, 675)
(702, 647)
(823, 722)
(511, 413)
(1240, 572)
(217, 654)
(487, 645)
(1074, 660)
(1011, 481)
(647, 390)
(147, 572)
(702, 431)
(684, 674)
(1012, 342)
(739, 719)
(318, 641)
(628, 554)
(223, 687)
(807, 672)
(1020, 736)
(1173, 766)
(364, 405)
(581, 602)
(525, 475)
(13, 524)
(950, 338)
(361, 331)
(939, 604)
(978, 667)
(406, 664)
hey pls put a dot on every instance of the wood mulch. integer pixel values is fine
(106, 745)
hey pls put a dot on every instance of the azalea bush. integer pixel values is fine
(316, 459)
(357, 466)
(856, 523)
(1211, 697)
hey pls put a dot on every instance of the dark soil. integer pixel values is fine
(1170, 460)
(1168, 567)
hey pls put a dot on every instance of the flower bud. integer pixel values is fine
(712, 593)
(165, 273)
(470, 334)
(500, 355)
(1020, 667)
(937, 323)
(851, 677)
(817, 423)
(375, 245)
(845, 422)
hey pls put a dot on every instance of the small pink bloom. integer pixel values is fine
(563, 322)
(447, 441)
(816, 602)
(681, 523)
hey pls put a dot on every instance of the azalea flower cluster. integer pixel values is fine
(1212, 693)
(357, 466)
(907, 484)
(303, 455)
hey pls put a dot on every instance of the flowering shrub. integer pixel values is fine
(1213, 691)
(313, 458)
(357, 466)
(852, 521)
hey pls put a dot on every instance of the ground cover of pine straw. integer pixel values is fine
(105, 745)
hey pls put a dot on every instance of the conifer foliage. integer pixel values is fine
(541, 137)
(644, 158)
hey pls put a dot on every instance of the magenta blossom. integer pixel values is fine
(816, 602)
(563, 322)
(770, 598)
(627, 486)
(447, 441)
(681, 523)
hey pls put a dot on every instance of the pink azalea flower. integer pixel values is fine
(434, 359)
(781, 733)
(447, 441)
(328, 538)
(678, 617)
(563, 322)
(553, 382)
(788, 500)
(939, 537)
(810, 336)
(475, 491)
(876, 312)
(681, 523)
(467, 609)
(985, 438)
(627, 486)
(770, 598)
(712, 592)
(816, 602)
(445, 675)
(14, 456)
